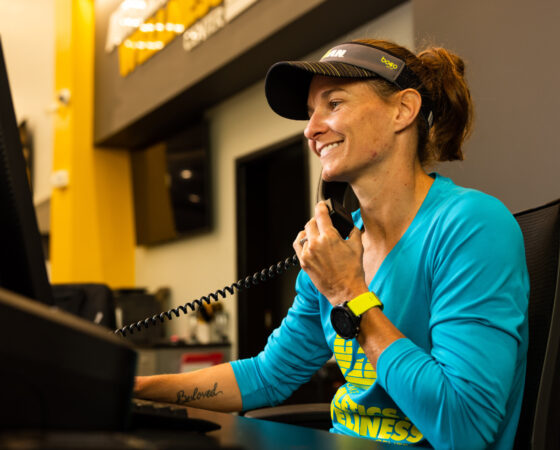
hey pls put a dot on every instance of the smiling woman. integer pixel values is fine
(350, 126)
(424, 305)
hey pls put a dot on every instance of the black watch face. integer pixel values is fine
(343, 322)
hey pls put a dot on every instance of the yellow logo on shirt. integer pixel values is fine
(373, 422)
(359, 372)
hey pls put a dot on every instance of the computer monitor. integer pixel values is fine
(57, 371)
(22, 264)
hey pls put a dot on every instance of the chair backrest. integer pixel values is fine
(91, 301)
(538, 425)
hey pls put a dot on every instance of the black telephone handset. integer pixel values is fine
(340, 217)
(339, 200)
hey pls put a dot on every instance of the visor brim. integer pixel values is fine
(287, 84)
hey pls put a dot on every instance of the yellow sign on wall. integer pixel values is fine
(160, 29)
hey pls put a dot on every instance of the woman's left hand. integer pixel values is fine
(334, 265)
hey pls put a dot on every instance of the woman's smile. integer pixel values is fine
(326, 149)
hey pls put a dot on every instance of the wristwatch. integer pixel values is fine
(346, 318)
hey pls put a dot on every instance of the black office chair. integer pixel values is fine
(539, 425)
(540, 414)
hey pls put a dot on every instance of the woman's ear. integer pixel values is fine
(409, 102)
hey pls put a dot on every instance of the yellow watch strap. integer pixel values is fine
(363, 302)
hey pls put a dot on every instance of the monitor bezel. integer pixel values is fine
(22, 261)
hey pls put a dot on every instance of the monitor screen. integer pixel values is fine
(22, 264)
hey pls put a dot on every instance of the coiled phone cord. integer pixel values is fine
(244, 283)
(341, 220)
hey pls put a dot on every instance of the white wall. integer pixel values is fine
(242, 124)
(27, 32)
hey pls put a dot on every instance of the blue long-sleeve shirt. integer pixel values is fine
(456, 285)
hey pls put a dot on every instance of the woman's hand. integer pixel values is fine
(334, 265)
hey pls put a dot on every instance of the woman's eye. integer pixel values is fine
(334, 103)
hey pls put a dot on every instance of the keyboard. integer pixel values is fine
(147, 414)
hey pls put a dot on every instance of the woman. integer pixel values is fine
(424, 305)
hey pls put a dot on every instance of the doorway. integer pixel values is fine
(272, 207)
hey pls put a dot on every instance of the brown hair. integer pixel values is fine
(441, 74)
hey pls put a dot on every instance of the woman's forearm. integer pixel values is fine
(212, 388)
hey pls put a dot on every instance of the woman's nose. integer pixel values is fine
(315, 126)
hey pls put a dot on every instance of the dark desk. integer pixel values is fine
(235, 433)
(255, 434)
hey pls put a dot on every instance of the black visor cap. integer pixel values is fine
(287, 82)
(286, 89)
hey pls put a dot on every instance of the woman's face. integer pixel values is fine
(349, 127)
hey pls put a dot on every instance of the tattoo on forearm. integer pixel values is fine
(183, 398)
